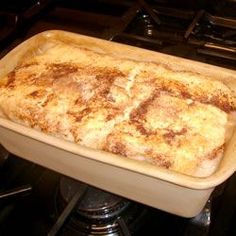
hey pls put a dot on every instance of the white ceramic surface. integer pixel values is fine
(164, 189)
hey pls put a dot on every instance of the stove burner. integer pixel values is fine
(96, 204)
(97, 212)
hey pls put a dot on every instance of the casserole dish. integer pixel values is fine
(157, 187)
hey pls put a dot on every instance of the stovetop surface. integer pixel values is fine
(175, 29)
(189, 29)
(35, 213)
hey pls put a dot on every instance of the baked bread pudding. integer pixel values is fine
(140, 110)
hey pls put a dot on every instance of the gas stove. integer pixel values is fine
(198, 31)
(37, 201)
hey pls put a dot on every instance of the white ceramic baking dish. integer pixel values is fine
(157, 187)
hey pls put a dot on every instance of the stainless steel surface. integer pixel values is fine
(150, 11)
(123, 227)
(217, 54)
(221, 21)
(67, 211)
(193, 23)
(220, 47)
(19, 191)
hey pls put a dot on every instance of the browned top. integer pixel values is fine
(143, 111)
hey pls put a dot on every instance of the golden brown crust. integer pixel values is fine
(144, 111)
(168, 132)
